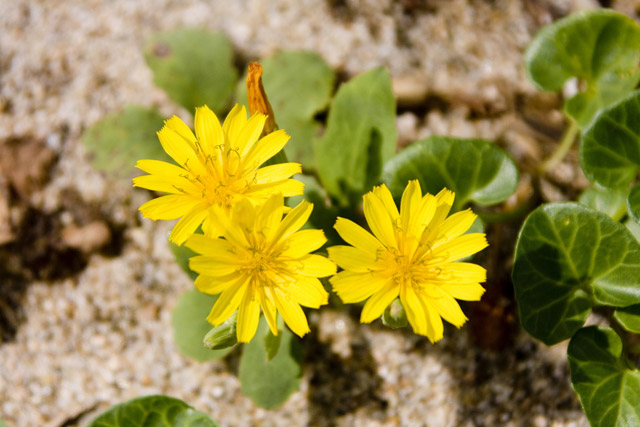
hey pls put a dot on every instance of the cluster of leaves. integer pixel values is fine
(572, 258)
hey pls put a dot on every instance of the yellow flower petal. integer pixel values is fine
(410, 203)
(182, 130)
(158, 167)
(303, 242)
(208, 130)
(294, 220)
(379, 220)
(307, 291)
(416, 313)
(214, 266)
(357, 236)
(291, 313)
(356, 287)
(278, 172)
(266, 148)
(463, 272)
(234, 123)
(422, 216)
(270, 215)
(354, 259)
(228, 301)
(288, 188)
(460, 247)
(214, 285)
(208, 246)
(446, 306)
(189, 223)
(248, 317)
(383, 193)
(317, 266)
(168, 207)
(176, 147)
(251, 132)
(464, 291)
(375, 306)
(457, 224)
(268, 308)
(165, 184)
(435, 328)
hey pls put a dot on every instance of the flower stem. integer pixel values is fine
(562, 150)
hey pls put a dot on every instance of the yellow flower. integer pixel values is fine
(411, 254)
(262, 262)
(217, 167)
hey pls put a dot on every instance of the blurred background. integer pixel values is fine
(87, 285)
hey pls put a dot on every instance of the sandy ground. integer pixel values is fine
(102, 335)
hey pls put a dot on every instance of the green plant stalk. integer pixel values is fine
(562, 150)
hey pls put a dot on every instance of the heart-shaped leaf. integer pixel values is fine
(567, 259)
(269, 383)
(194, 66)
(599, 47)
(298, 85)
(633, 203)
(153, 411)
(360, 137)
(610, 201)
(118, 140)
(189, 322)
(609, 391)
(475, 169)
(610, 150)
(629, 317)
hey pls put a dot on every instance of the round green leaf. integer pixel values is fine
(609, 391)
(600, 47)
(609, 201)
(610, 150)
(182, 254)
(629, 317)
(270, 382)
(189, 322)
(568, 258)
(475, 169)
(360, 136)
(194, 67)
(153, 411)
(118, 140)
(298, 85)
(633, 202)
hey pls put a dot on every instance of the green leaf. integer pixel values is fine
(610, 150)
(629, 317)
(2, 423)
(272, 344)
(153, 411)
(269, 383)
(608, 390)
(633, 227)
(475, 169)
(116, 142)
(633, 202)
(567, 259)
(298, 85)
(182, 254)
(609, 201)
(360, 136)
(189, 322)
(194, 67)
(599, 47)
